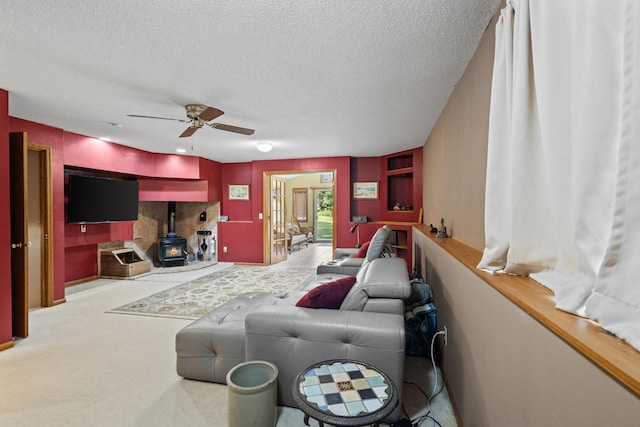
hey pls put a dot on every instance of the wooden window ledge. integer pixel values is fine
(611, 354)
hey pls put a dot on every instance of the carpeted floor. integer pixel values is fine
(197, 297)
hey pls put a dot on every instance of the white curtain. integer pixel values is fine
(563, 167)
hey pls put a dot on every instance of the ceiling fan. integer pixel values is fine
(199, 115)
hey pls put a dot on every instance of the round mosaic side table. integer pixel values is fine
(344, 393)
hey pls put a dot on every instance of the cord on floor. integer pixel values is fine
(417, 422)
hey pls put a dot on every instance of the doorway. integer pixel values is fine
(279, 207)
(31, 230)
(323, 214)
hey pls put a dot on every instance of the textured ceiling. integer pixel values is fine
(317, 78)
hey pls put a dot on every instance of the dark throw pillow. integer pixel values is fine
(362, 252)
(329, 295)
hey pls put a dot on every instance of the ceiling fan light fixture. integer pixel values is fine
(264, 146)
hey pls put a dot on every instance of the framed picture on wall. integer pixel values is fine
(365, 190)
(238, 191)
(326, 177)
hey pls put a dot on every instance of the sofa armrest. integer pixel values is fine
(340, 253)
(294, 338)
(385, 305)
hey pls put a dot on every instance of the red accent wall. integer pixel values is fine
(5, 227)
(165, 177)
(201, 180)
(172, 190)
(365, 169)
(243, 233)
(212, 172)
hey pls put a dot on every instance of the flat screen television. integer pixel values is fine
(94, 200)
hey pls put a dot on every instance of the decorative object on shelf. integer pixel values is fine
(238, 191)
(326, 177)
(442, 230)
(365, 190)
(399, 207)
(356, 228)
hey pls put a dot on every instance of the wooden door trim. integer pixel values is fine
(46, 219)
(266, 209)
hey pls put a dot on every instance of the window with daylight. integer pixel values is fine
(300, 203)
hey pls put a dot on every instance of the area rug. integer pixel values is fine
(197, 297)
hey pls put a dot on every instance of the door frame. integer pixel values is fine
(266, 206)
(46, 219)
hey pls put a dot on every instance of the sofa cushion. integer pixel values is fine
(380, 278)
(362, 252)
(377, 243)
(329, 295)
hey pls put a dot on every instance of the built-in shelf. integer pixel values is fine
(399, 180)
(403, 171)
(400, 161)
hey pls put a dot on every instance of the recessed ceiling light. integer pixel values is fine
(181, 150)
(105, 138)
(264, 146)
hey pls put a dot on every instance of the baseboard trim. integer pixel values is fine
(59, 301)
(6, 345)
(80, 281)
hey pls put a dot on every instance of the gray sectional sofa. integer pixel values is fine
(368, 326)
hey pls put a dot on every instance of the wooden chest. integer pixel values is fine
(122, 262)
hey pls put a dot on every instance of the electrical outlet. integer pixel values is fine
(83, 228)
(224, 249)
(446, 338)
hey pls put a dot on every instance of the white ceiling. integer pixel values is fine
(317, 78)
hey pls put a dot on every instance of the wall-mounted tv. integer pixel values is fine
(94, 199)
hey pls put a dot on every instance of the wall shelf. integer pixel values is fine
(403, 171)
(401, 175)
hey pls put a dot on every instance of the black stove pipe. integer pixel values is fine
(171, 232)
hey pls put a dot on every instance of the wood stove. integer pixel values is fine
(172, 250)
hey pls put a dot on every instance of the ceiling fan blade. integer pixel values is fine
(230, 128)
(160, 118)
(209, 114)
(189, 131)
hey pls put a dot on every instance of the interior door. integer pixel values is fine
(278, 222)
(40, 244)
(19, 236)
